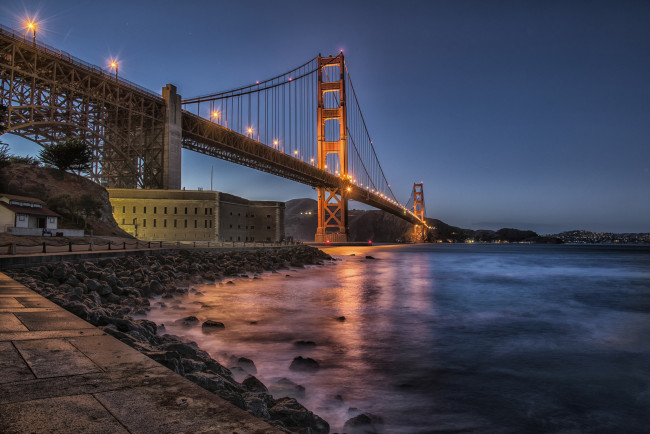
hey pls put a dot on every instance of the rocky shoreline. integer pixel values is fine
(108, 292)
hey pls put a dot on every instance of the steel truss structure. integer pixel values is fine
(51, 96)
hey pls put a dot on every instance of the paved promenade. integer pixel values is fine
(58, 373)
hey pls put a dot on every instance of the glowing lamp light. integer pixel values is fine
(325, 166)
(349, 188)
(250, 130)
(215, 115)
(312, 160)
(275, 143)
(295, 152)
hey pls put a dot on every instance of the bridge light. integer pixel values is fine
(349, 188)
(295, 152)
(275, 143)
(250, 131)
(325, 166)
(114, 65)
(31, 27)
(215, 114)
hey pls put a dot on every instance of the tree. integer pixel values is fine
(73, 154)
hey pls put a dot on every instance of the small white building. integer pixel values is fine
(26, 215)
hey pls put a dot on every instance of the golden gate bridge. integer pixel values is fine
(305, 125)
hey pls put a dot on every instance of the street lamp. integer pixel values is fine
(31, 26)
(215, 115)
(115, 66)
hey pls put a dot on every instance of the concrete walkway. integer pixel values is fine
(58, 373)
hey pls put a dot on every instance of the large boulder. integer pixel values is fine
(296, 417)
(304, 364)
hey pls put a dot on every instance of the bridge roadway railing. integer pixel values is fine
(206, 137)
(22, 38)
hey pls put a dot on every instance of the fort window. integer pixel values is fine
(196, 211)
(145, 210)
(165, 223)
(155, 210)
(185, 222)
(165, 210)
(175, 223)
(185, 210)
(144, 223)
(134, 220)
(123, 210)
(134, 210)
(206, 211)
(268, 216)
(122, 221)
(268, 227)
(175, 210)
(154, 222)
(205, 224)
(210, 211)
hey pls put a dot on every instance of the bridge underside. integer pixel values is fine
(51, 96)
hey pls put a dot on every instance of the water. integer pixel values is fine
(450, 338)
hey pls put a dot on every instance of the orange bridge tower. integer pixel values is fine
(332, 202)
(418, 210)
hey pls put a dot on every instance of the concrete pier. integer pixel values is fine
(61, 374)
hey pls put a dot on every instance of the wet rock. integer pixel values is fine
(370, 257)
(340, 318)
(188, 321)
(210, 326)
(365, 423)
(257, 407)
(230, 282)
(296, 417)
(254, 385)
(285, 387)
(304, 364)
(246, 364)
(305, 343)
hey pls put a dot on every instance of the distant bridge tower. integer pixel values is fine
(332, 202)
(419, 211)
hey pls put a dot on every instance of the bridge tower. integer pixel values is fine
(332, 202)
(419, 231)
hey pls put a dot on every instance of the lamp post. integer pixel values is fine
(31, 25)
(115, 66)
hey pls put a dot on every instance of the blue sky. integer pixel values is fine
(527, 114)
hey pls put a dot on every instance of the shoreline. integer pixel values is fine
(107, 292)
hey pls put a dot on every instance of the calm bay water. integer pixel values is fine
(450, 338)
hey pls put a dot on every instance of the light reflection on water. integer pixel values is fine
(440, 338)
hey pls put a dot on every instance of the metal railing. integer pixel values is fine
(71, 247)
(23, 38)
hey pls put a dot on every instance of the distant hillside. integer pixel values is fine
(301, 219)
(60, 190)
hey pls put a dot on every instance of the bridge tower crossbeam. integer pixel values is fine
(332, 201)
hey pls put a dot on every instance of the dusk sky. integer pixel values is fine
(526, 114)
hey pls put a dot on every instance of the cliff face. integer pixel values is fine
(52, 186)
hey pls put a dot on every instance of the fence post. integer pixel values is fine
(90, 246)
(194, 243)
(44, 248)
(149, 245)
(12, 248)
(69, 246)
(109, 245)
(123, 245)
(161, 244)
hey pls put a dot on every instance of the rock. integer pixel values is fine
(230, 282)
(254, 385)
(285, 387)
(370, 257)
(304, 364)
(296, 417)
(188, 321)
(210, 326)
(257, 407)
(305, 343)
(340, 318)
(365, 423)
(246, 364)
